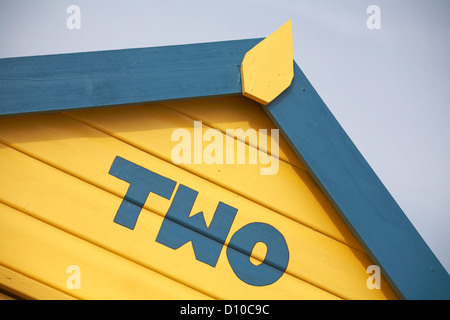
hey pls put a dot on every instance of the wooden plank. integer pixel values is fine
(87, 212)
(267, 69)
(63, 142)
(296, 196)
(4, 296)
(27, 288)
(117, 77)
(293, 192)
(357, 193)
(44, 252)
(237, 112)
(149, 121)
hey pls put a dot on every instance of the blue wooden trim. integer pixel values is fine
(119, 77)
(357, 193)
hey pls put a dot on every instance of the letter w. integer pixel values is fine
(178, 228)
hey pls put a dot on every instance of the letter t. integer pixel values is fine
(142, 182)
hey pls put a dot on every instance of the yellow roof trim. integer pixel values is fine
(268, 68)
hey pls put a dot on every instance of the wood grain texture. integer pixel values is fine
(44, 253)
(357, 193)
(63, 142)
(117, 77)
(83, 216)
(81, 209)
(267, 69)
(24, 287)
(236, 112)
(293, 193)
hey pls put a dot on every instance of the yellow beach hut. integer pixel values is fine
(203, 171)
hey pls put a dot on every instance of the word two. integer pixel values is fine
(179, 227)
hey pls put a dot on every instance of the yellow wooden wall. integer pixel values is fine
(58, 202)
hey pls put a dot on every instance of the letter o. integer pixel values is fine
(240, 249)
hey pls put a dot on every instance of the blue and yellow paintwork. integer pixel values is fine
(66, 172)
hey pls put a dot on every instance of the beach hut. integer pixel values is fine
(200, 171)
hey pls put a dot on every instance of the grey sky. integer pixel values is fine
(388, 88)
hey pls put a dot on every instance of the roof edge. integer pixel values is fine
(62, 82)
(357, 193)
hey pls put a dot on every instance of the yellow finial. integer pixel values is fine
(268, 68)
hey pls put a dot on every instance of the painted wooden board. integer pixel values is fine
(292, 193)
(44, 253)
(240, 113)
(267, 69)
(118, 77)
(24, 287)
(91, 219)
(6, 296)
(62, 142)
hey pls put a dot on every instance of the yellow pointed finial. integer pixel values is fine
(268, 68)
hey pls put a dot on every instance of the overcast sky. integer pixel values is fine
(388, 87)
